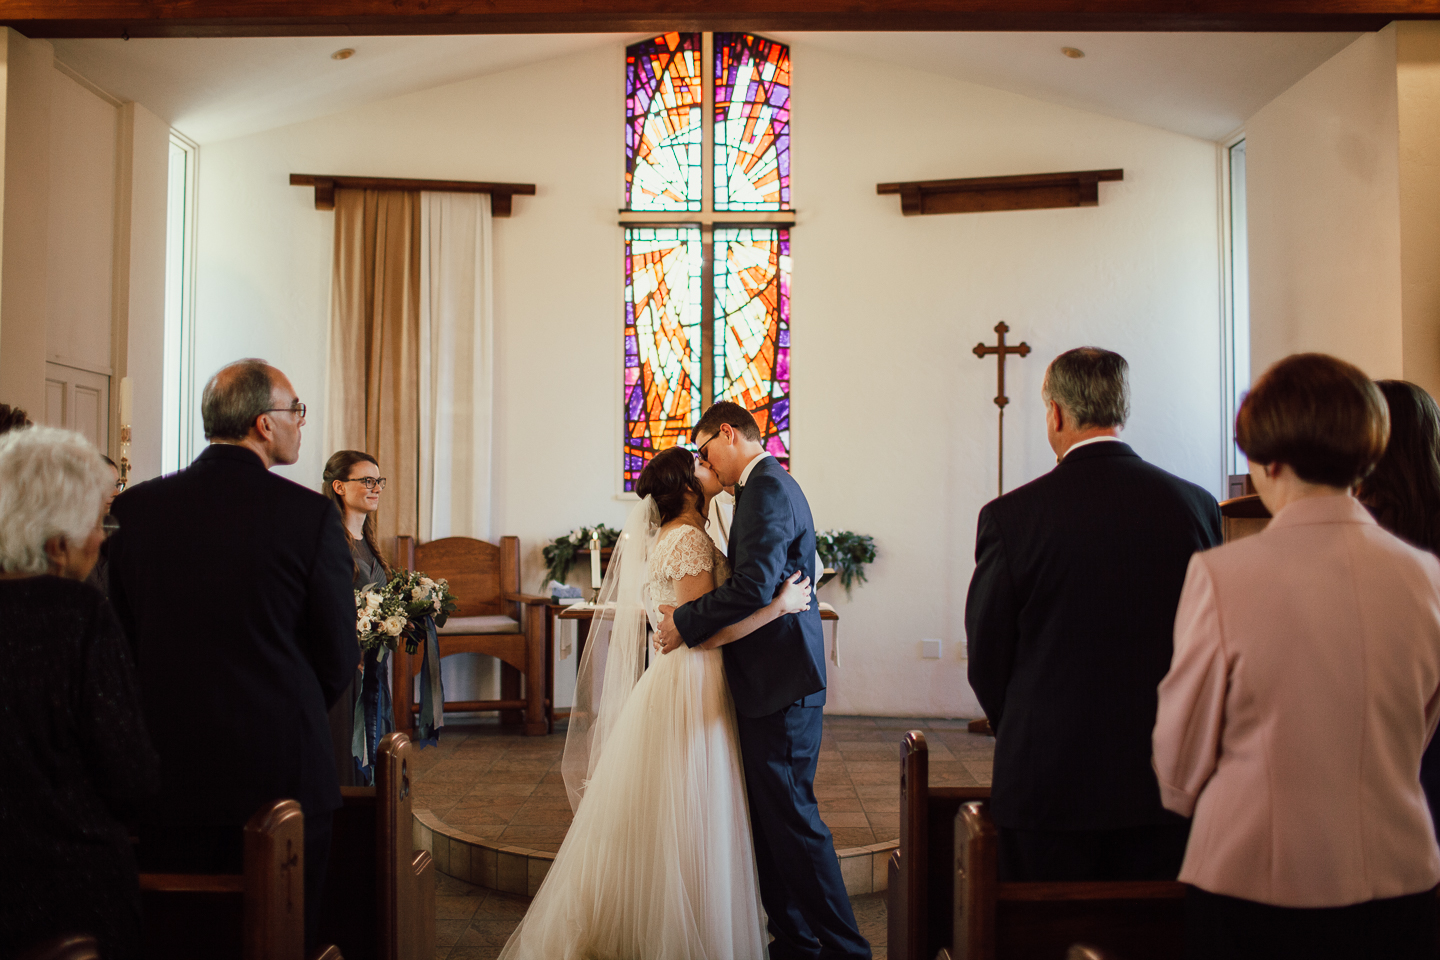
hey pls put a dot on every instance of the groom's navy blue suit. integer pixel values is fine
(777, 677)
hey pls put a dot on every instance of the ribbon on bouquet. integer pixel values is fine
(432, 696)
(374, 713)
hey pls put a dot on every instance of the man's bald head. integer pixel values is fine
(237, 394)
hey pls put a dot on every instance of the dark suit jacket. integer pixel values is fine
(771, 537)
(1070, 619)
(233, 584)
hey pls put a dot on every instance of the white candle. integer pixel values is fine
(127, 401)
(595, 559)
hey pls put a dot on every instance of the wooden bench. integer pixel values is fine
(1141, 920)
(70, 946)
(379, 892)
(257, 915)
(920, 878)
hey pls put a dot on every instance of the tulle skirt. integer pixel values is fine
(658, 863)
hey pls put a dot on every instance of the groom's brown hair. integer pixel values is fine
(726, 412)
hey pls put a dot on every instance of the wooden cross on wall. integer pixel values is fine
(1000, 352)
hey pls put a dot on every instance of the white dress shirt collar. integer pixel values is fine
(1077, 446)
(749, 468)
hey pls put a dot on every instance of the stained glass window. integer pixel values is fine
(752, 328)
(752, 123)
(684, 347)
(663, 96)
(662, 341)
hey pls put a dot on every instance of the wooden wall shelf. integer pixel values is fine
(1034, 191)
(325, 186)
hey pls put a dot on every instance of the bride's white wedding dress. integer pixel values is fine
(658, 863)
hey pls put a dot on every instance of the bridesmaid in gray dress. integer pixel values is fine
(353, 482)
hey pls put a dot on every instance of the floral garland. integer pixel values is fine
(847, 553)
(560, 552)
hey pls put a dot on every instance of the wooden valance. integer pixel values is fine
(339, 18)
(1033, 191)
(325, 186)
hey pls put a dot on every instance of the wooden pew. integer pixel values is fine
(70, 946)
(379, 892)
(257, 915)
(1142, 920)
(919, 894)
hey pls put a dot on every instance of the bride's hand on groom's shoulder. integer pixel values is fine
(667, 638)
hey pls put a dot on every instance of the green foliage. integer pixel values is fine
(846, 553)
(560, 552)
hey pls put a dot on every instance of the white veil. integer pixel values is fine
(614, 656)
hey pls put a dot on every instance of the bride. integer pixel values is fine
(658, 863)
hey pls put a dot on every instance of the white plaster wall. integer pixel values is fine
(29, 66)
(1324, 203)
(80, 254)
(894, 426)
(893, 420)
(1417, 80)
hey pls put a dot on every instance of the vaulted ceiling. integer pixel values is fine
(1201, 84)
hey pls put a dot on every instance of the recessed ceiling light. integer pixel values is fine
(349, 52)
(1074, 53)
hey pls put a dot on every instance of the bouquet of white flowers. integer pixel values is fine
(385, 614)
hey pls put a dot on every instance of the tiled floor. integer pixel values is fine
(495, 784)
(473, 923)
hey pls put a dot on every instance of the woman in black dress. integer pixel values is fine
(76, 756)
(353, 483)
(1402, 493)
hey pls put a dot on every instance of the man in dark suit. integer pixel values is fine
(1069, 619)
(233, 584)
(777, 679)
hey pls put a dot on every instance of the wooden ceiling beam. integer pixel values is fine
(273, 18)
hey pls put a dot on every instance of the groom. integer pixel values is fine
(777, 677)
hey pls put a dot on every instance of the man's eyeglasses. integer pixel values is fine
(701, 453)
(297, 408)
(369, 483)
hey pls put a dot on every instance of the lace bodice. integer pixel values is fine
(682, 552)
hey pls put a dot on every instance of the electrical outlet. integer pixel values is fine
(929, 649)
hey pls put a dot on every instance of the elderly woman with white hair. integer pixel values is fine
(75, 755)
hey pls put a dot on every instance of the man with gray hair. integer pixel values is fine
(1069, 620)
(233, 584)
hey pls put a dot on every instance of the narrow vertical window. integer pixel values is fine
(752, 328)
(663, 95)
(752, 123)
(1237, 320)
(662, 341)
(178, 361)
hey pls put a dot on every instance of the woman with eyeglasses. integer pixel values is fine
(78, 760)
(353, 483)
(100, 575)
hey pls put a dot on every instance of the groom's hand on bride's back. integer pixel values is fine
(668, 638)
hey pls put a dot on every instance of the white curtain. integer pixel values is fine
(456, 365)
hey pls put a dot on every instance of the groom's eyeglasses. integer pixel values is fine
(370, 483)
(701, 453)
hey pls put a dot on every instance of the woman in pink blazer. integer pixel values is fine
(1303, 688)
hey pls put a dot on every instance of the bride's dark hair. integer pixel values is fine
(667, 478)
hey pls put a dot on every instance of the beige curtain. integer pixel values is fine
(374, 369)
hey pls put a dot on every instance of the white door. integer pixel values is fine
(78, 400)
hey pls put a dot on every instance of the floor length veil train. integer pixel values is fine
(657, 863)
